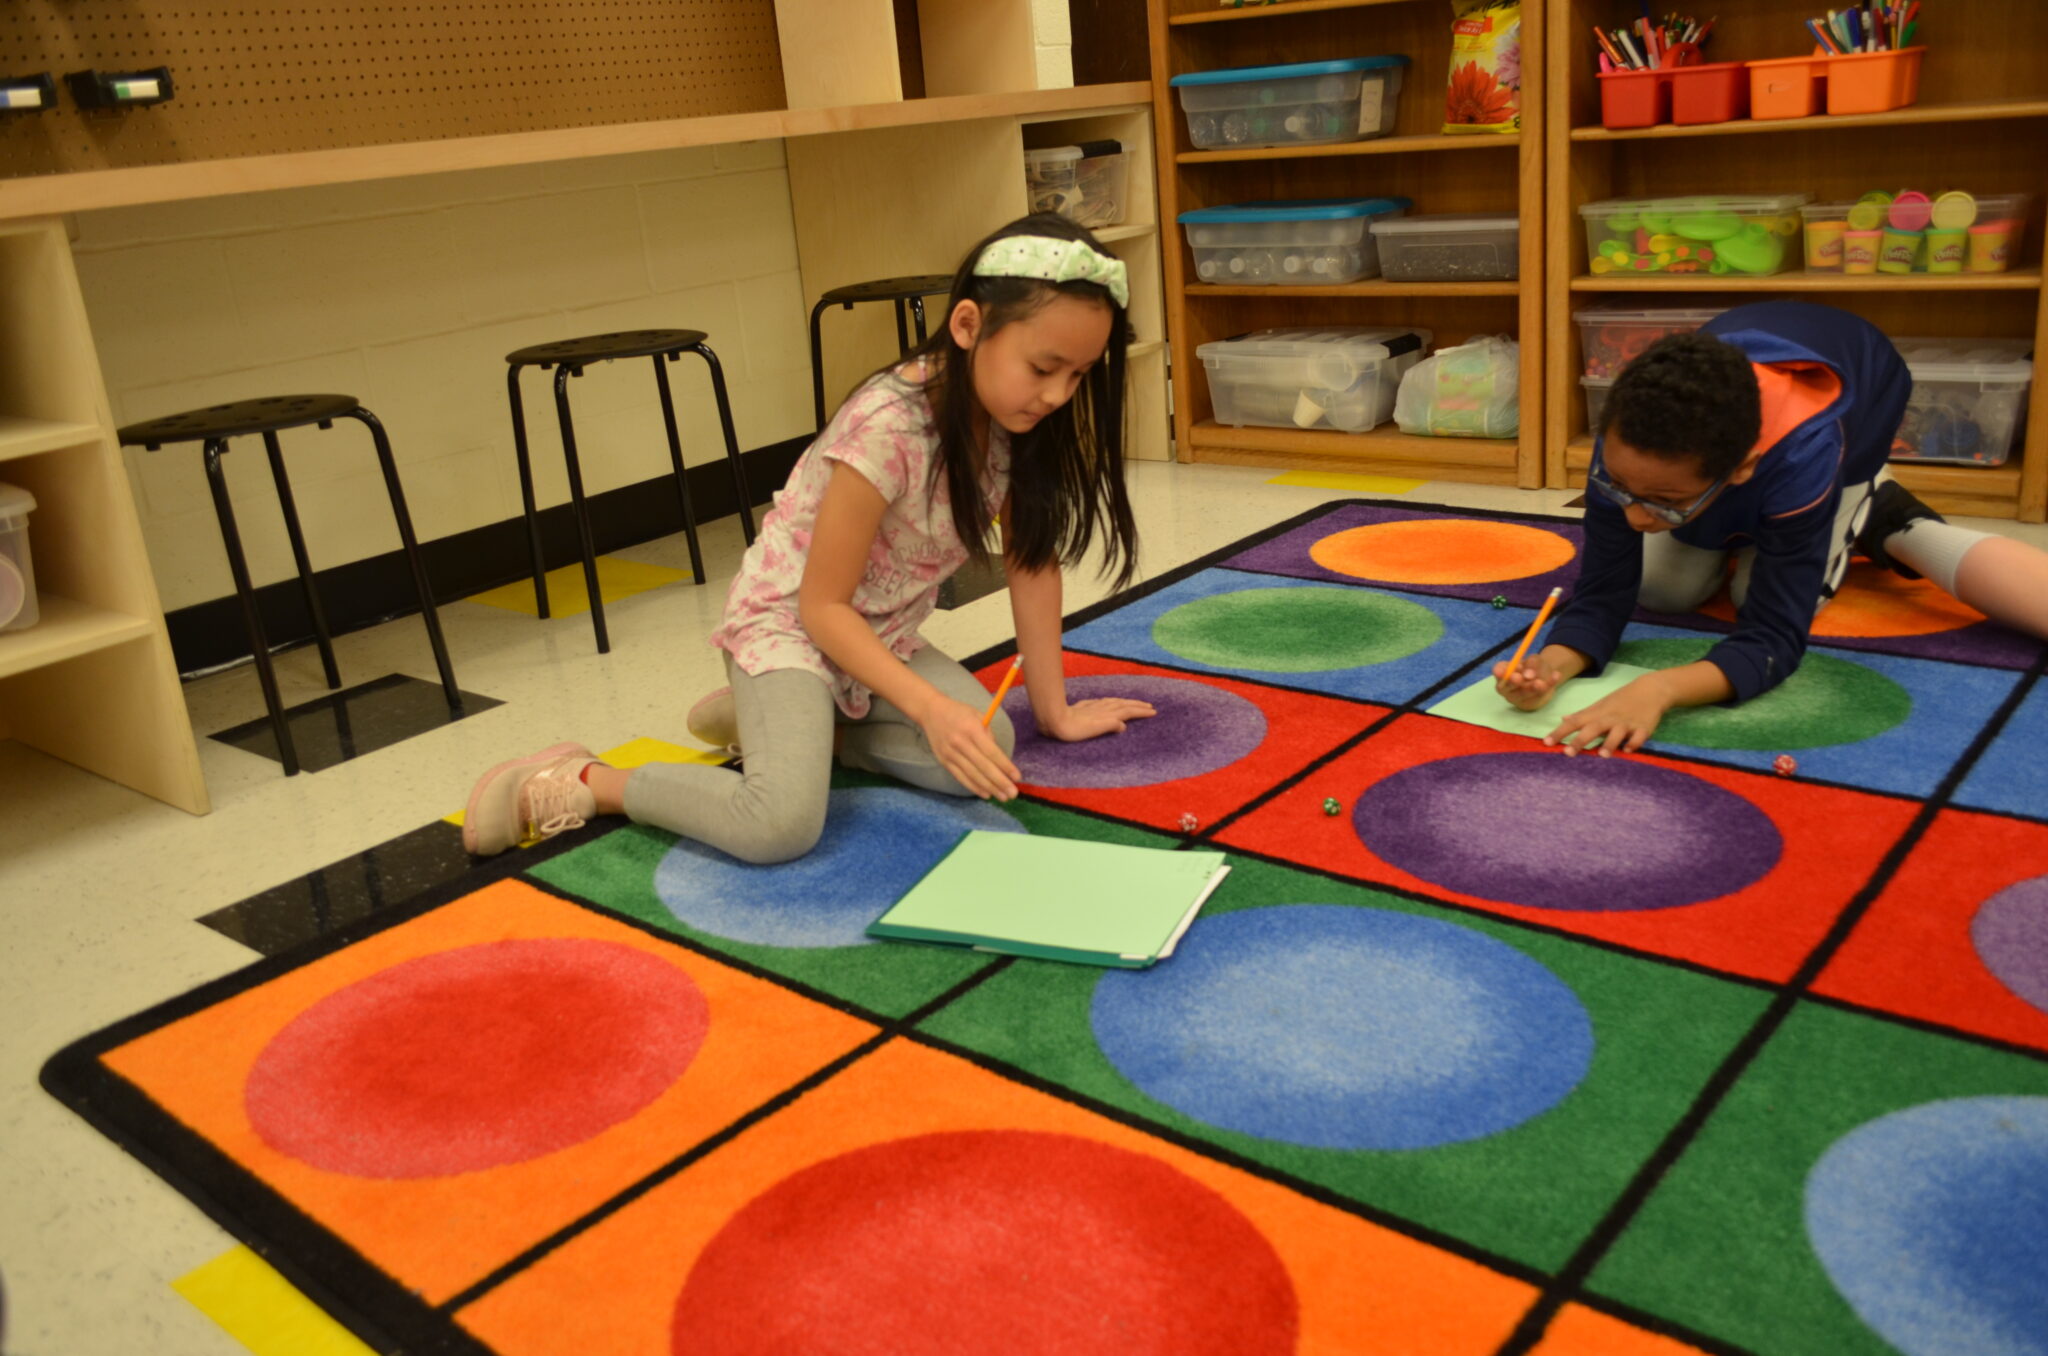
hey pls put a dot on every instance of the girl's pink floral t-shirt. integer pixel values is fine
(886, 431)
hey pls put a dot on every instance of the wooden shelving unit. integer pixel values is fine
(92, 682)
(1981, 124)
(859, 217)
(1475, 173)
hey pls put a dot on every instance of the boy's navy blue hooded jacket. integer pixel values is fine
(1786, 510)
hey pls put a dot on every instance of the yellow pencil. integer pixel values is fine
(1016, 666)
(1542, 616)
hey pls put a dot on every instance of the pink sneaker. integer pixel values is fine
(528, 799)
(716, 721)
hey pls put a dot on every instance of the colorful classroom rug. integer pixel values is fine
(1479, 1049)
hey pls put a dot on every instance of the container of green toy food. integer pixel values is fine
(1743, 235)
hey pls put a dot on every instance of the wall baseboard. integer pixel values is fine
(209, 635)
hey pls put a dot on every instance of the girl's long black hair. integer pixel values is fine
(1067, 473)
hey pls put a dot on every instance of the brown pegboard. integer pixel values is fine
(259, 77)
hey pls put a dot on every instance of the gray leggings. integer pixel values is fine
(1678, 578)
(774, 810)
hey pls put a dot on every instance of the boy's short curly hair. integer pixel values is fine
(1687, 397)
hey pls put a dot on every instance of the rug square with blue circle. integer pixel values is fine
(1364, 643)
(1481, 1082)
(1864, 1188)
(803, 921)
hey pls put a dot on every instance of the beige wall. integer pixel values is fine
(408, 294)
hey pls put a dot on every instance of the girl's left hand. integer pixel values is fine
(1620, 722)
(1096, 716)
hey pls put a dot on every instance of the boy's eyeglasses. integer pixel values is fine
(1596, 476)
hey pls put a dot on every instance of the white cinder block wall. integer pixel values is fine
(1052, 36)
(408, 294)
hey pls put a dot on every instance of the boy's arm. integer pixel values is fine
(1604, 595)
(1784, 593)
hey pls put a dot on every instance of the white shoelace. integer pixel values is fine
(550, 797)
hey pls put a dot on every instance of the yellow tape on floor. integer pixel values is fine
(567, 597)
(1338, 480)
(260, 1309)
(635, 752)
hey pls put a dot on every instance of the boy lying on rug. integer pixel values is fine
(1764, 435)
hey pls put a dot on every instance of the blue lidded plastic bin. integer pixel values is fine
(1307, 243)
(1305, 103)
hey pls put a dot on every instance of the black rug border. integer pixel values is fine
(384, 1314)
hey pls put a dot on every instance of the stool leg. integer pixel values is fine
(412, 554)
(902, 328)
(732, 442)
(917, 310)
(675, 456)
(604, 640)
(259, 645)
(817, 366)
(540, 577)
(298, 538)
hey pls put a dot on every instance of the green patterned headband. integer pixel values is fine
(1053, 260)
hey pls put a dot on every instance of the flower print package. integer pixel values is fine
(1486, 67)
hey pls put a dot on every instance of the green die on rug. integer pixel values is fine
(1330, 806)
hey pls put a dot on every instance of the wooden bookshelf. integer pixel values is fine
(1981, 124)
(1439, 173)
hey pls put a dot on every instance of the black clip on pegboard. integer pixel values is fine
(120, 89)
(27, 93)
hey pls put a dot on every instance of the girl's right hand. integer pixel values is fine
(968, 751)
(1530, 686)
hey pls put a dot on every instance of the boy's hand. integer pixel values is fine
(1531, 685)
(1096, 716)
(968, 751)
(1620, 722)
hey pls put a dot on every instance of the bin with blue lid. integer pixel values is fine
(1304, 103)
(1305, 243)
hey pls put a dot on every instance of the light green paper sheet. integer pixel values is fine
(1479, 704)
(1056, 898)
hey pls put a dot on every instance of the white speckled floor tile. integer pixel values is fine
(99, 886)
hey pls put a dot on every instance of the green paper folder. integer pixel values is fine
(1056, 899)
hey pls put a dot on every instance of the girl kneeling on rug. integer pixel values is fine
(1012, 412)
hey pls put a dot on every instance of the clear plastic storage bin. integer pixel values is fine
(1305, 103)
(1451, 247)
(1610, 337)
(1738, 235)
(1317, 378)
(17, 572)
(1969, 399)
(1597, 390)
(1951, 233)
(1307, 243)
(1086, 183)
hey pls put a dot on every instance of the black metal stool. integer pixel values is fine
(269, 415)
(568, 357)
(902, 291)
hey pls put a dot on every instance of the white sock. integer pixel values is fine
(1934, 549)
